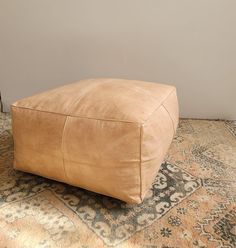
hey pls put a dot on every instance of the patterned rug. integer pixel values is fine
(192, 202)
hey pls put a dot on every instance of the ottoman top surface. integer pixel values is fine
(104, 99)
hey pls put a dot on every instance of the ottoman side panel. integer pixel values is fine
(103, 156)
(157, 135)
(37, 142)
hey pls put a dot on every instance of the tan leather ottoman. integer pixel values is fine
(105, 135)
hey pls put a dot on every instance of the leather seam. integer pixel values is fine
(172, 121)
(75, 116)
(93, 118)
(62, 148)
(161, 104)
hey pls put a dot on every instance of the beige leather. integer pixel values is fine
(106, 135)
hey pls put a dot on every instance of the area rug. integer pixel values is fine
(192, 202)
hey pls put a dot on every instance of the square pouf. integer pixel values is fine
(109, 136)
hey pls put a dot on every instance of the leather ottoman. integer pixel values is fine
(106, 135)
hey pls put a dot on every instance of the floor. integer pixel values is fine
(192, 202)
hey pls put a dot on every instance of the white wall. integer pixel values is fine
(189, 43)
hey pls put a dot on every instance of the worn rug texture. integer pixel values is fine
(192, 202)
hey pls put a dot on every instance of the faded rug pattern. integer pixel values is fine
(192, 202)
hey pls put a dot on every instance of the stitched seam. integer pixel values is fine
(159, 106)
(140, 164)
(62, 148)
(77, 116)
(170, 117)
(93, 118)
(71, 105)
